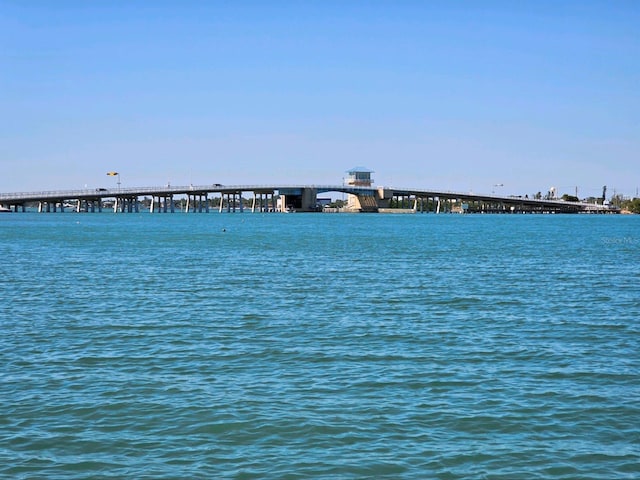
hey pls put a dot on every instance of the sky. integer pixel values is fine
(470, 96)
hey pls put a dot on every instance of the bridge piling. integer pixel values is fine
(262, 201)
(165, 203)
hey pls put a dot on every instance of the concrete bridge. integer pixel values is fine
(276, 197)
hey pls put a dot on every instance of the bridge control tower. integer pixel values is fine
(361, 177)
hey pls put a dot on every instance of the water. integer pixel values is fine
(319, 346)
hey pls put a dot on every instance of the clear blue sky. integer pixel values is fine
(458, 95)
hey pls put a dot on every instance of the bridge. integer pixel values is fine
(284, 198)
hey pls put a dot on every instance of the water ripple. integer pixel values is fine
(326, 346)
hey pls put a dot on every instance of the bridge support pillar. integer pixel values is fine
(126, 205)
(196, 202)
(262, 201)
(234, 201)
(162, 203)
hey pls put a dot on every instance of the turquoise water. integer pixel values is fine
(319, 346)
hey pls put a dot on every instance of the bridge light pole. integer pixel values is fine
(115, 174)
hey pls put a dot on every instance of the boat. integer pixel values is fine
(4, 209)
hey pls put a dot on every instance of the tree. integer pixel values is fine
(617, 200)
(632, 205)
(570, 198)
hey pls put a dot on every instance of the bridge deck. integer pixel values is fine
(13, 199)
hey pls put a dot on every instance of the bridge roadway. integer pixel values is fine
(296, 197)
